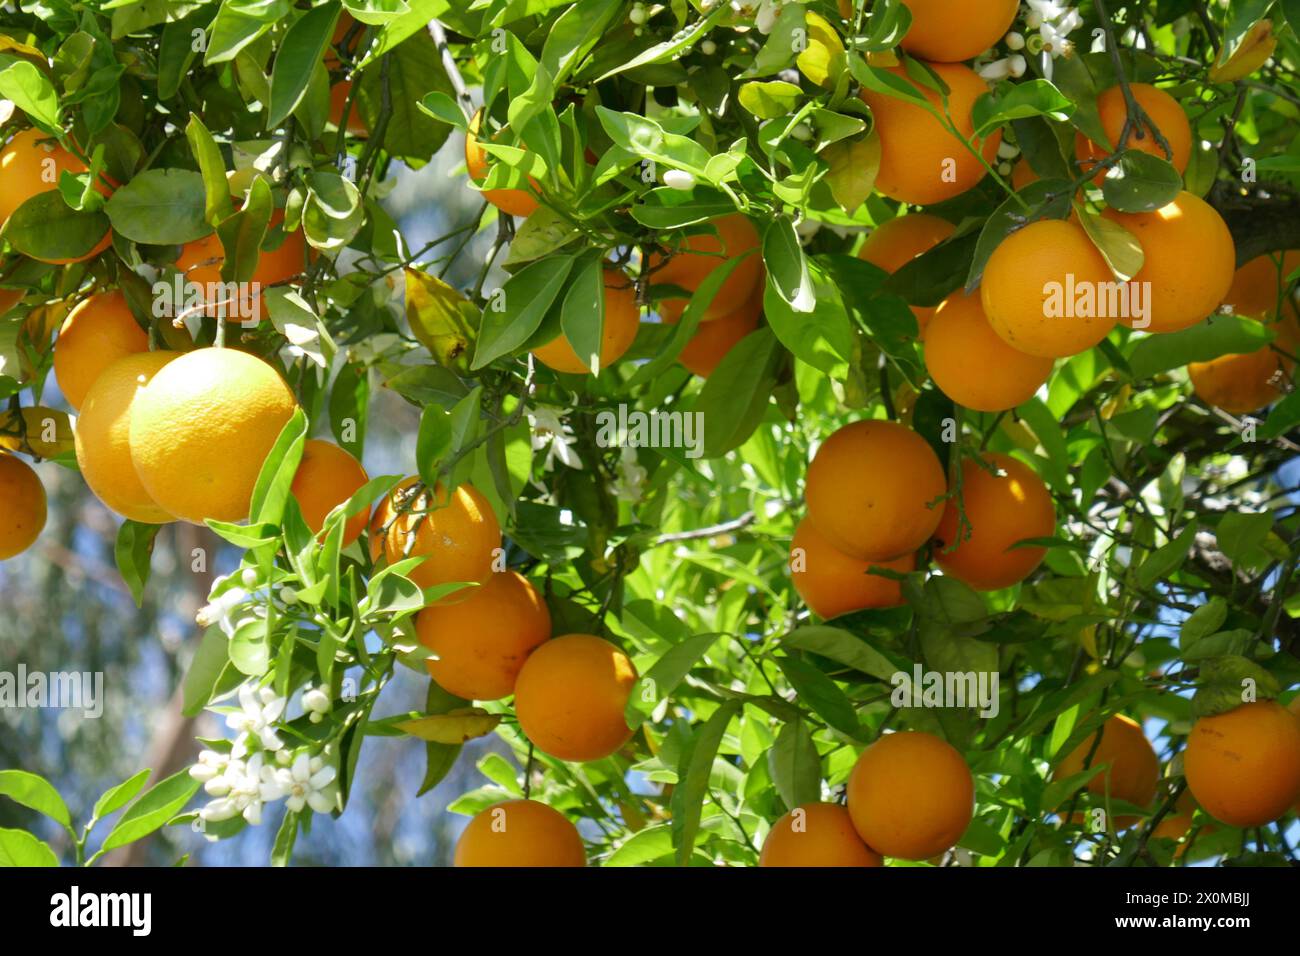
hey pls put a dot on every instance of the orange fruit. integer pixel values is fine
(921, 162)
(700, 253)
(831, 583)
(1000, 511)
(202, 428)
(895, 243)
(1243, 767)
(326, 477)
(1133, 773)
(103, 436)
(713, 340)
(520, 833)
(911, 795)
(482, 641)
(816, 834)
(570, 696)
(1259, 287)
(200, 262)
(1160, 107)
(1189, 261)
(515, 202)
(98, 332)
(32, 162)
(972, 364)
(622, 321)
(1022, 174)
(873, 490)
(1032, 286)
(22, 506)
(1247, 381)
(339, 94)
(457, 535)
(948, 31)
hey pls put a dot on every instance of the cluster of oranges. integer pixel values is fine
(876, 494)
(1242, 767)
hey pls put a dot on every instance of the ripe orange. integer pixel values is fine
(622, 321)
(920, 161)
(895, 243)
(570, 696)
(1000, 511)
(713, 340)
(1022, 174)
(1243, 767)
(200, 262)
(99, 331)
(1189, 260)
(700, 253)
(103, 436)
(911, 795)
(339, 94)
(22, 506)
(948, 31)
(457, 535)
(202, 428)
(1162, 109)
(516, 202)
(1259, 287)
(327, 476)
(831, 583)
(520, 833)
(32, 162)
(873, 490)
(971, 363)
(1247, 381)
(1026, 290)
(1133, 773)
(482, 641)
(816, 834)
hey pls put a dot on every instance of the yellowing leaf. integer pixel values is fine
(1252, 53)
(444, 321)
(454, 727)
(1119, 247)
(43, 432)
(823, 59)
(854, 165)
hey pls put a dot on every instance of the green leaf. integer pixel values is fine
(133, 552)
(439, 758)
(212, 168)
(161, 207)
(46, 227)
(1140, 182)
(794, 765)
(769, 100)
(115, 798)
(20, 848)
(735, 397)
(31, 91)
(663, 677)
(1167, 559)
(333, 213)
(152, 811)
(787, 269)
(516, 310)
(693, 779)
(303, 46)
(210, 660)
(821, 695)
(1219, 335)
(274, 480)
(415, 69)
(842, 647)
(1020, 101)
(647, 139)
(36, 793)
(582, 314)
(1241, 535)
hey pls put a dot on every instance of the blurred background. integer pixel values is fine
(63, 607)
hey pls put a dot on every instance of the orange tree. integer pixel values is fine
(872, 425)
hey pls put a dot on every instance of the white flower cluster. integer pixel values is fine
(259, 768)
(1051, 23)
(551, 432)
